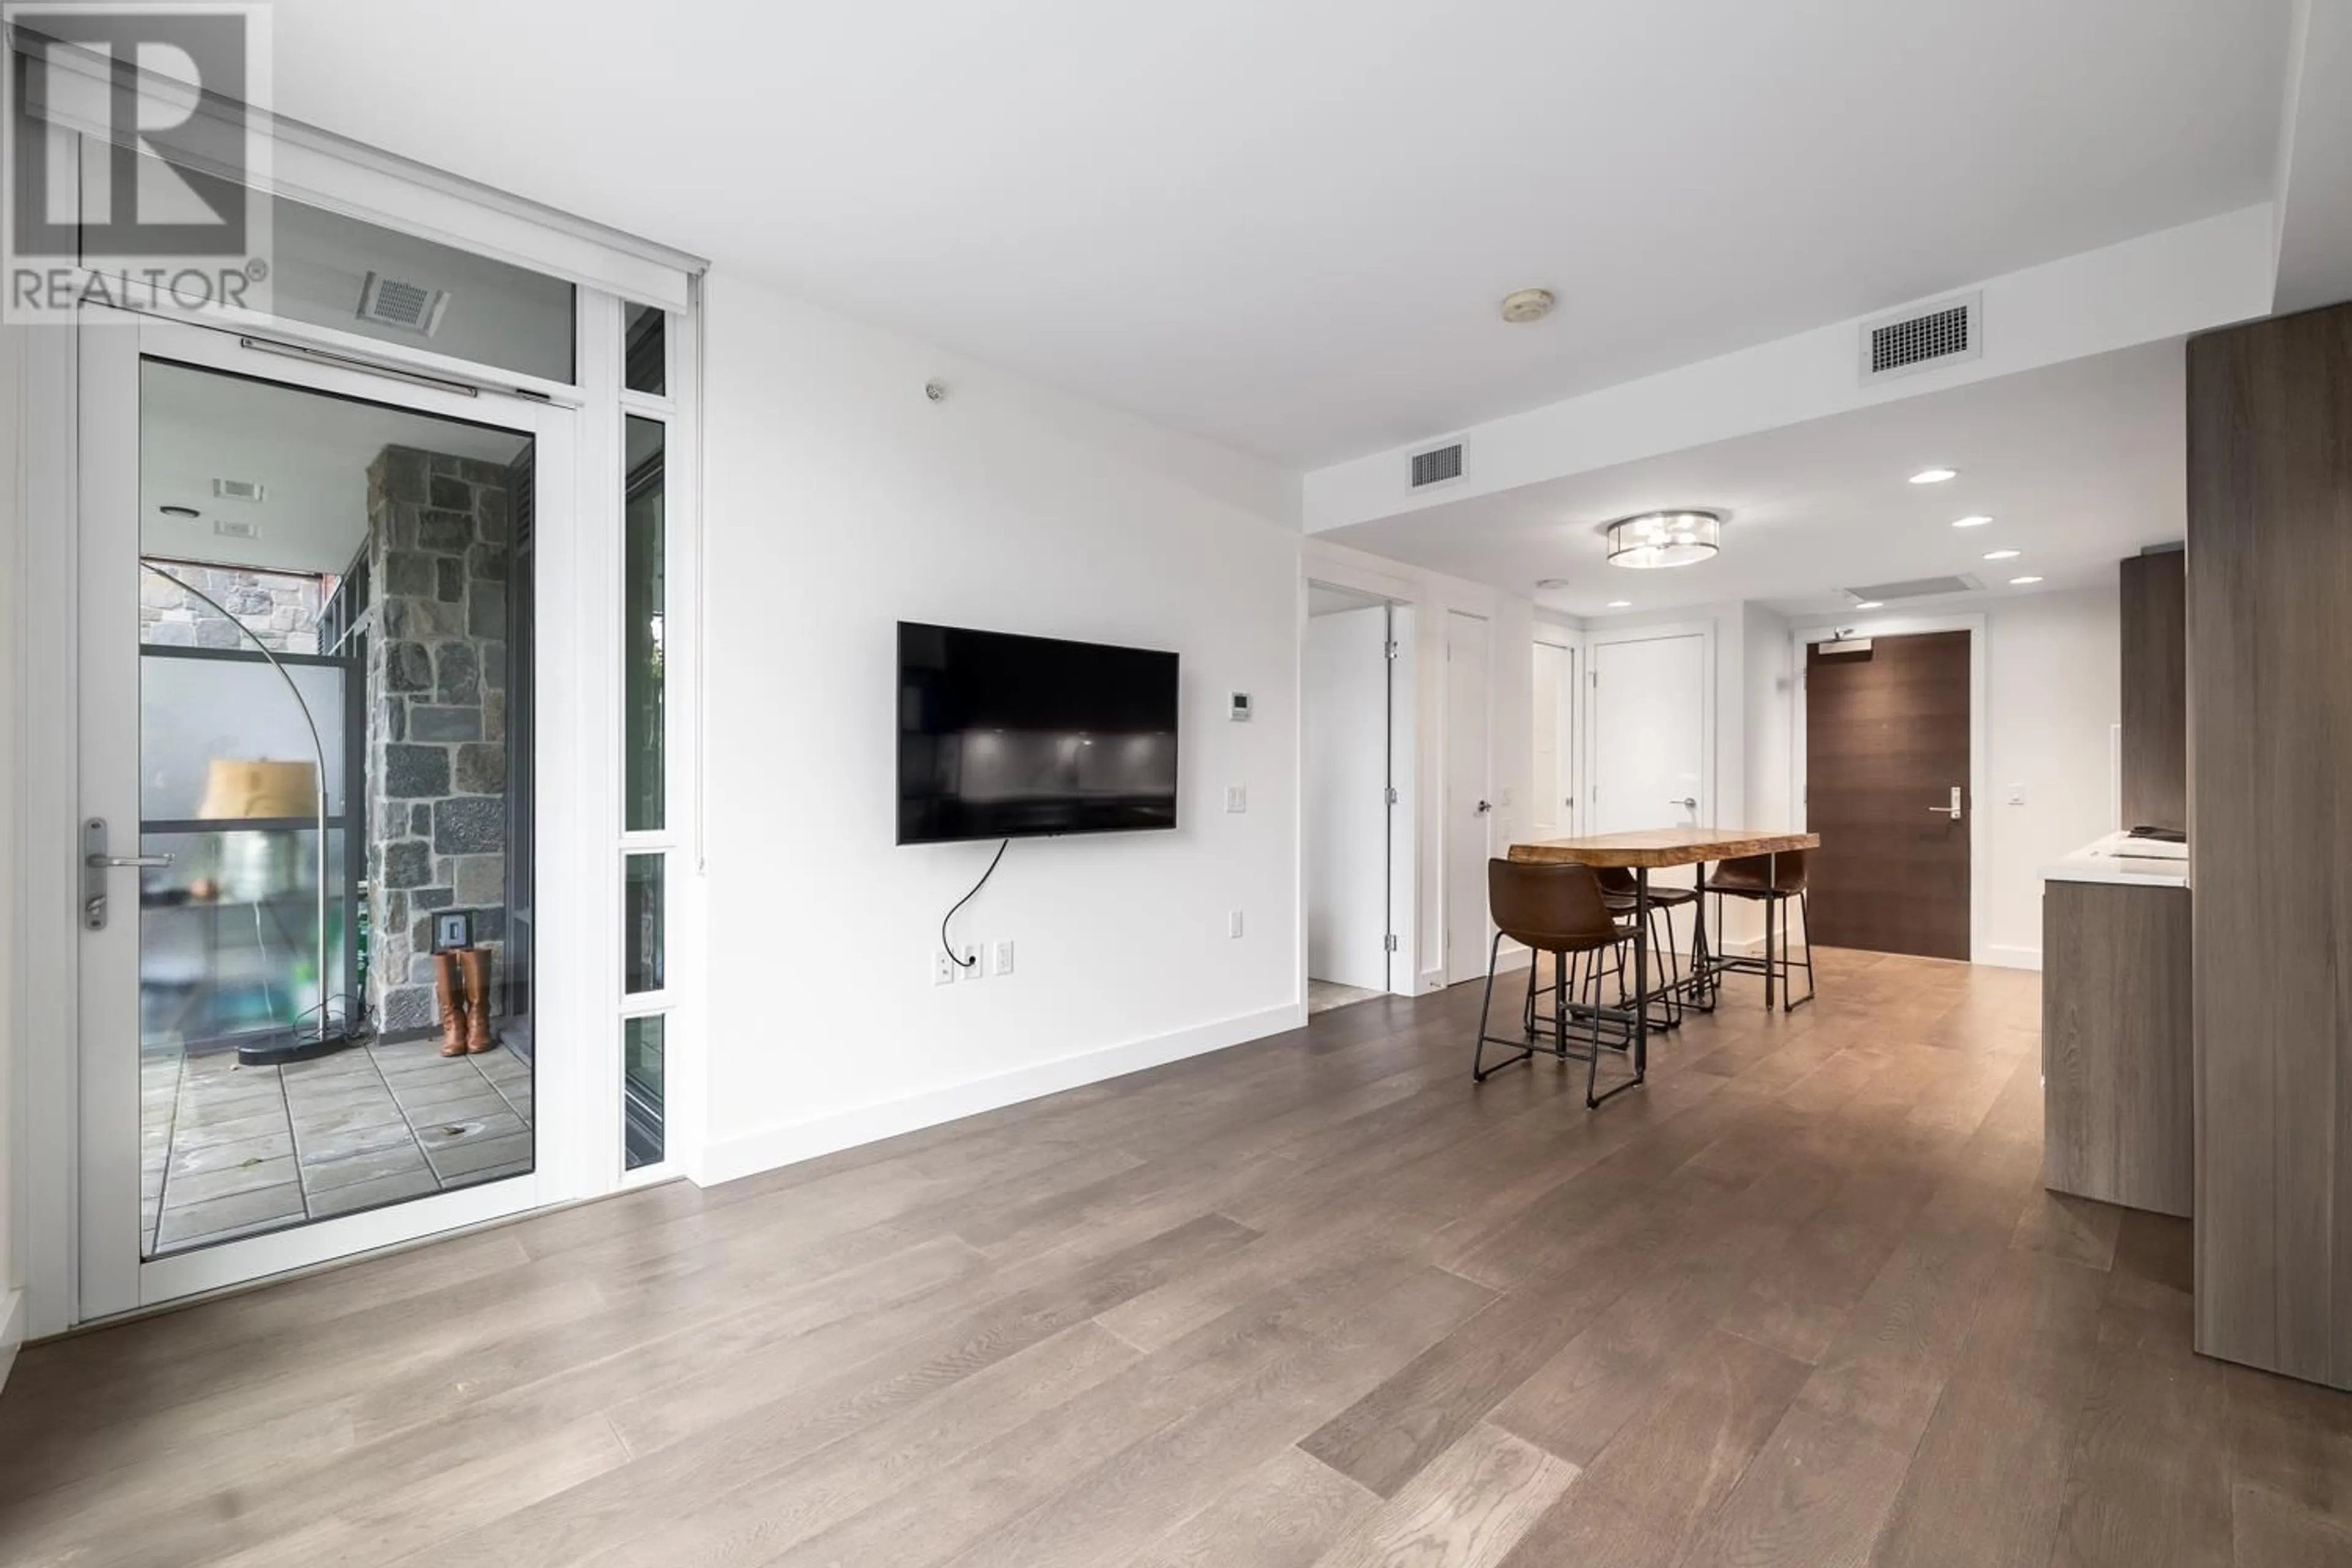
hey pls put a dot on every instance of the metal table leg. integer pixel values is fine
(1771, 882)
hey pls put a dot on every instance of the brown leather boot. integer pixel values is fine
(448, 979)
(477, 962)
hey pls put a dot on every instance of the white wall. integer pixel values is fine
(1344, 815)
(838, 500)
(2054, 694)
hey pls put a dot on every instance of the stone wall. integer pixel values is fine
(281, 608)
(437, 629)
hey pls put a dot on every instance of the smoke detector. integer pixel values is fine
(1529, 305)
(408, 306)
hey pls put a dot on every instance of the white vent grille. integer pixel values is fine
(1914, 588)
(410, 307)
(1943, 334)
(239, 489)
(1437, 466)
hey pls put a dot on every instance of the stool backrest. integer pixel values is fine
(1786, 871)
(1548, 908)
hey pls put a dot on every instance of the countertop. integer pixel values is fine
(2123, 861)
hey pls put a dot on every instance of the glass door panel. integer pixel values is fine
(326, 593)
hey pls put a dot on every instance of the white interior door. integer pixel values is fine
(222, 933)
(1347, 811)
(1553, 815)
(1469, 810)
(1649, 748)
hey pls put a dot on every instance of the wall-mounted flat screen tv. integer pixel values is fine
(1015, 737)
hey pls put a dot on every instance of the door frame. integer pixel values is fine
(1588, 745)
(1397, 835)
(1805, 634)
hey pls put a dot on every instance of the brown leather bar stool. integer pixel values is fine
(1623, 893)
(1556, 910)
(1778, 881)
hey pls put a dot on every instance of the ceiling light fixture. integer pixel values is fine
(1620, 604)
(1979, 520)
(1934, 476)
(187, 512)
(1665, 539)
(1529, 305)
(2023, 582)
(2002, 554)
(1872, 604)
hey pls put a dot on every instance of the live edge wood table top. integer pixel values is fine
(1652, 847)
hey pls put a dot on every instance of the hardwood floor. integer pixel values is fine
(1316, 1301)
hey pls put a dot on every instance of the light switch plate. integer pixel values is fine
(1003, 957)
(1234, 923)
(1237, 797)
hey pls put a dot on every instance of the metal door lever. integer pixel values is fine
(1688, 803)
(96, 863)
(102, 862)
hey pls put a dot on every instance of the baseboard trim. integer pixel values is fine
(12, 1331)
(2002, 956)
(727, 1159)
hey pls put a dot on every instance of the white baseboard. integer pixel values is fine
(12, 1331)
(2008, 957)
(725, 1159)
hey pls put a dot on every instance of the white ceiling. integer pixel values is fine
(1287, 227)
(2079, 465)
(309, 452)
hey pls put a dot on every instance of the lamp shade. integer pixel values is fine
(237, 787)
(1664, 538)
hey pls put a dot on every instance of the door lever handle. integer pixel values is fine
(106, 862)
(1688, 802)
(1953, 810)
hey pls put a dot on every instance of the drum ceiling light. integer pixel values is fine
(1664, 538)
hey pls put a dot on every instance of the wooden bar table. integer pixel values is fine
(1655, 848)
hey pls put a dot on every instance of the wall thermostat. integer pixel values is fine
(1241, 707)
(452, 931)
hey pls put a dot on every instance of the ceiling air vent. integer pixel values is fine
(1916, 588)
(1943, 334)
(1437, 466)
(410, 307)
(239, 489)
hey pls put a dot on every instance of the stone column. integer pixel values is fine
(436, 704)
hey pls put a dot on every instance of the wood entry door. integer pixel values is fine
(1886, 758)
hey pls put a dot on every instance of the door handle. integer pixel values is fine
(1688, 803)
(96, 863)
(1953, 810)
(1484, 806)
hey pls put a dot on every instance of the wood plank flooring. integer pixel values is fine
(1313, 1302)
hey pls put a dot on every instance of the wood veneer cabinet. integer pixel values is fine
(2115, 1054)
(2154, 691)
(2269, 820)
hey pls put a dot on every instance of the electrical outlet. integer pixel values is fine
(970, 953)
(1234, 923)
(1003, 957)
(943, 968)
(1237, 797)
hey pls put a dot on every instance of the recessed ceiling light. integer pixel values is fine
(1872, 604)
(1620, 604)
(1529, 305)
(2022, 582)
(187, 512)
(2002, 554)
(1979, 520)
(1934, 476)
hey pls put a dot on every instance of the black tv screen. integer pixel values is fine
(1014, 737)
